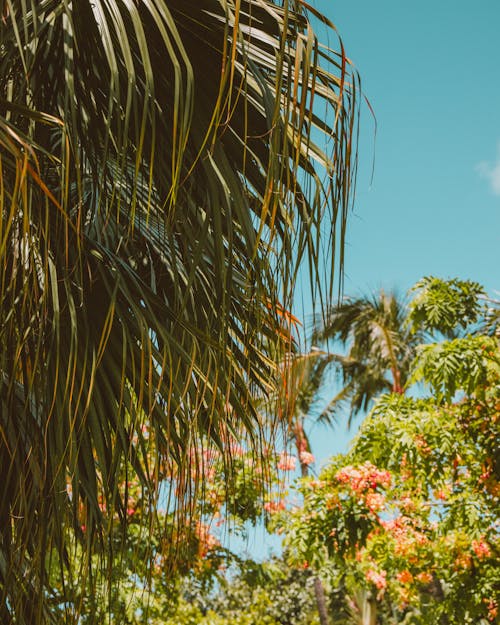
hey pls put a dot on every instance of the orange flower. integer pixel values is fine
(274, 506)
(424, 577)
(463, 561)
(440, 494)
(404, 577)
(492, 608)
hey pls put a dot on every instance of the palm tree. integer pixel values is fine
(381, 346)
(162, 178)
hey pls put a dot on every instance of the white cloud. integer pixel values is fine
(491, 171)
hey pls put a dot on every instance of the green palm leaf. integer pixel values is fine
(162, 180)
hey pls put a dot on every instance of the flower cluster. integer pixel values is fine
(274, 506)
(407, 539)
(379, 579)
(306, 458)
(375, 501)
(206, 540)
(492, 606)
(481, 548)
(363, 477)
(404, 577)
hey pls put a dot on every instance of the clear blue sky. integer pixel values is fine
(431, 71)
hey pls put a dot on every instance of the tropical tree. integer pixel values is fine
(387, 554)
(380, 347)
(409, 514)
(162, 178)
(406, 521)
(382, 331)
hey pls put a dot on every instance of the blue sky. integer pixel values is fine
(431, 71)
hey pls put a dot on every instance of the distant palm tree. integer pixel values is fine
(380, 349)
(158, 192)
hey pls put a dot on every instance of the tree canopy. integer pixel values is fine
(403, 528)
(406, 522)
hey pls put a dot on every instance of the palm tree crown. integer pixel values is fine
(159, 191)
(380, 348)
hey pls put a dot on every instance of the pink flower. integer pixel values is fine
(379, 579)
(363, 477)
(274, 506)
(286, 462)
(207, 541)
(481, 549)
(306, 458)
(375, 501)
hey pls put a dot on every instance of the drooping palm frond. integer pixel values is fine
(162, 178)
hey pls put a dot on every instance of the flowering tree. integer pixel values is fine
(409, 515)
(402, 529)
(151, 573)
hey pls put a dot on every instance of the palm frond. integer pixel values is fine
(375, 349)
(162, 180)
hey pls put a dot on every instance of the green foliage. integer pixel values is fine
(410, 512)
(405, 524)
(269, 593)
(445, 305)
(381, 335)
(463, 364)
(409, 516)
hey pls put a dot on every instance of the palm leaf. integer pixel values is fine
(162, 181)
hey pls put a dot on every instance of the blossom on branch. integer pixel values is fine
(286, 462)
